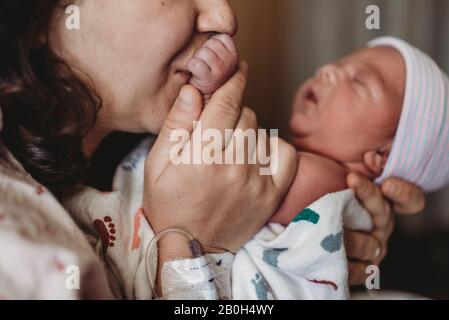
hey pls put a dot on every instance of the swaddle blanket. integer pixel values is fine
(304, 260)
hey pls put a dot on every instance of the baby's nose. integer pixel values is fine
(330, 74)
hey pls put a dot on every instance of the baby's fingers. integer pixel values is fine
(199, 68)
(228, 42)
(208, 56)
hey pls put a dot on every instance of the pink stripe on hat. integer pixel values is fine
(420, 152)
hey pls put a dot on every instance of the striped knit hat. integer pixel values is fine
(420, 152)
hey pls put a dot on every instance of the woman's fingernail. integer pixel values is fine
(185, 98)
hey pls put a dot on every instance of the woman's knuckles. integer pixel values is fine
(366, 190)
(228, 105)
(368, 250)
(388, 212)
(250, 117)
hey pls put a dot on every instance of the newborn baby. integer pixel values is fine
(344, 119)
(380, 111)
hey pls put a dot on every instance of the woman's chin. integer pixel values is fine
(154, 125)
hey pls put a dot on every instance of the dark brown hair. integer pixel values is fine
(46, 109)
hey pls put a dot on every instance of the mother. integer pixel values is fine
(62, 92)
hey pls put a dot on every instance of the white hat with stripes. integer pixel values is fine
(420, 151)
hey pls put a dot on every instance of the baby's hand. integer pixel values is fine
(213, 64)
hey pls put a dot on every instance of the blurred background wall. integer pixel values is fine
(284, 41)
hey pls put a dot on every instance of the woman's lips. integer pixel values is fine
(184, 75)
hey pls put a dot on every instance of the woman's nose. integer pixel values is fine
(216, 16)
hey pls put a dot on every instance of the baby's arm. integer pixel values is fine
(213, 64)
(316, 177)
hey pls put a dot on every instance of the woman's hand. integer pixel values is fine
(223, 206)
(370, 249)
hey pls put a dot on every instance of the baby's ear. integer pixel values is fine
(376, 160)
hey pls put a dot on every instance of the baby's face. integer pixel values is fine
(351, 106)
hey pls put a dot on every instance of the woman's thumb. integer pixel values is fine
(179, 123)
(186, 110)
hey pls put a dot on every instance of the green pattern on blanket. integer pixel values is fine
(307, 215)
